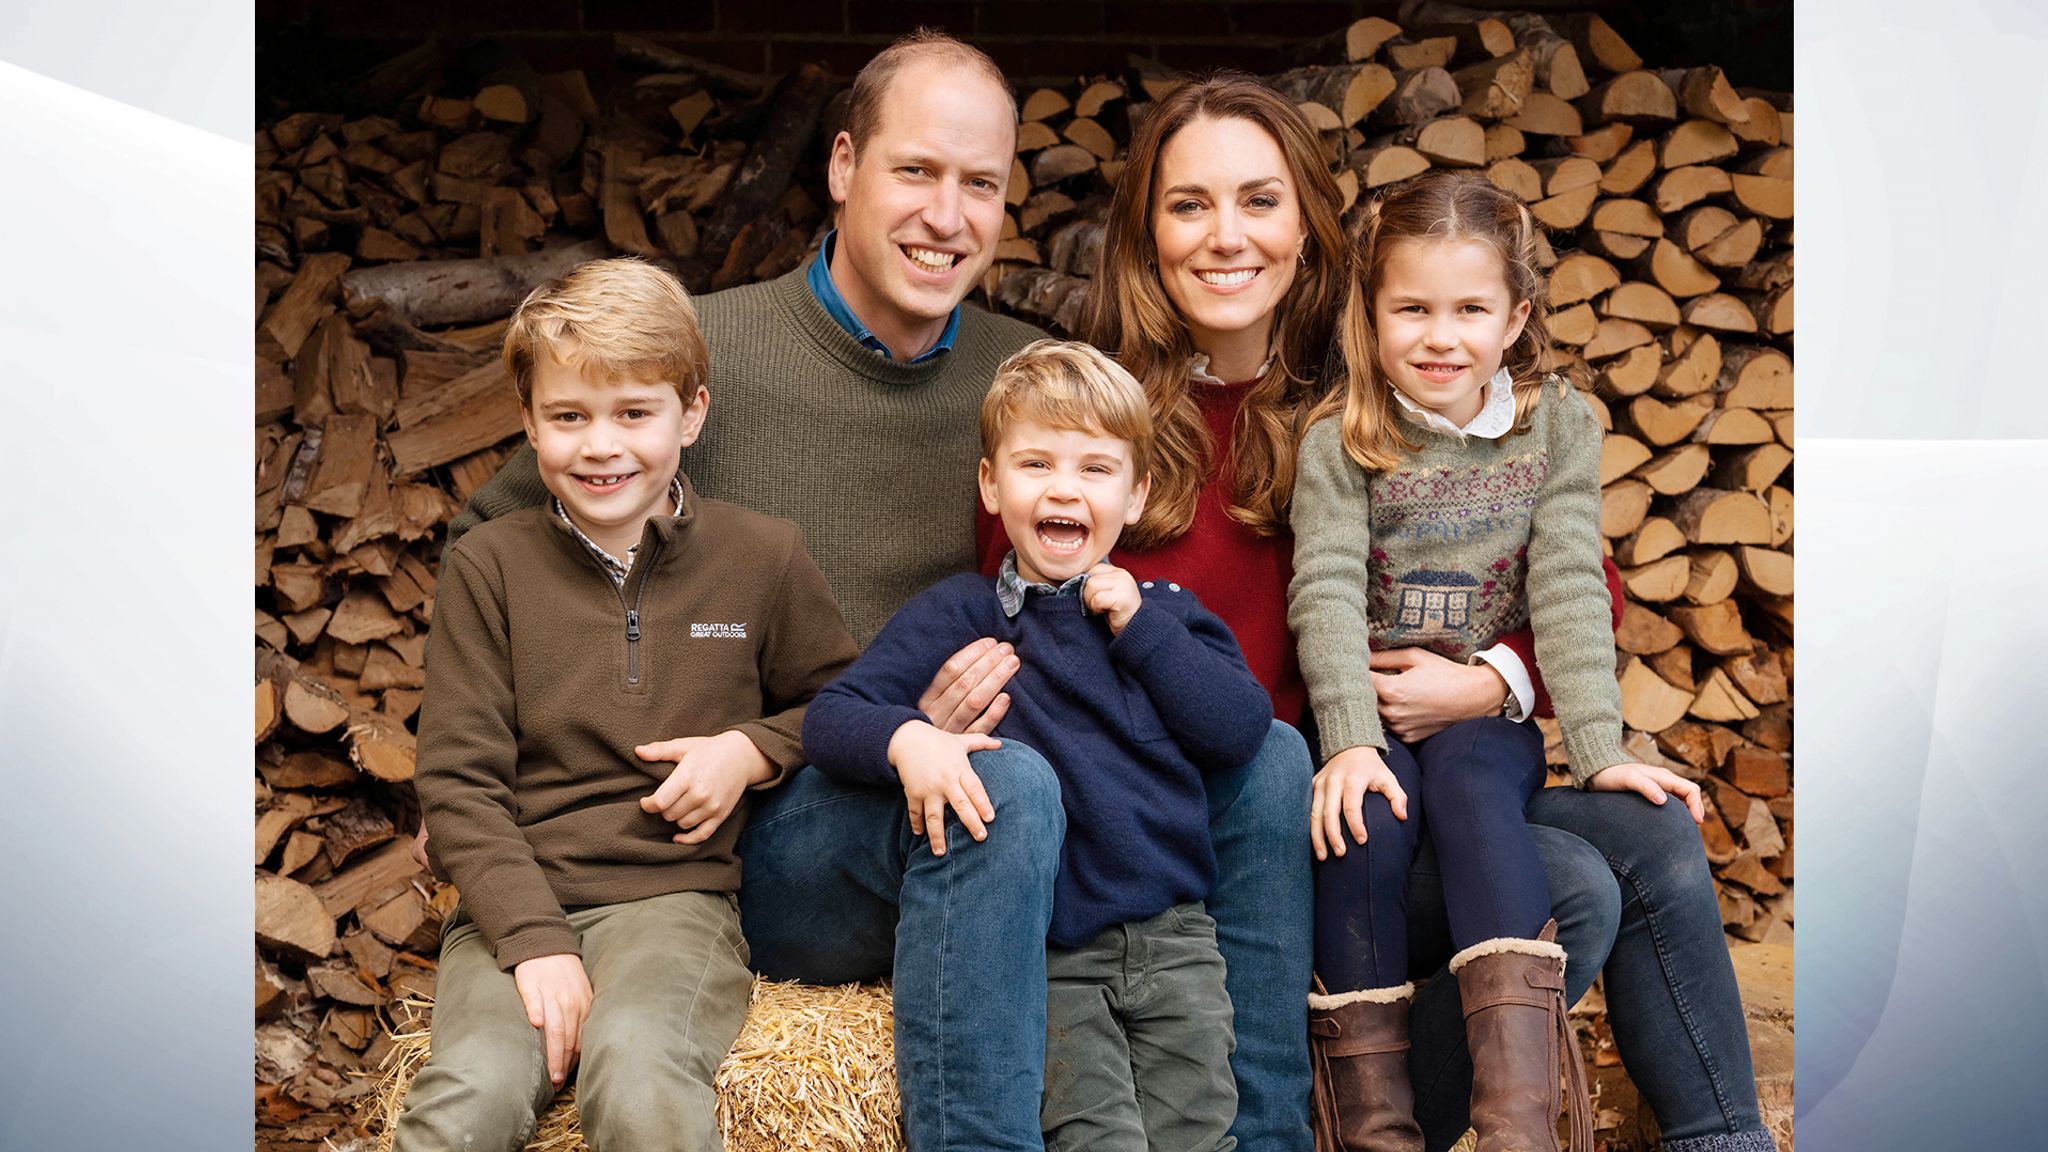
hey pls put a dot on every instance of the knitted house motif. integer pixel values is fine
(1429, 604)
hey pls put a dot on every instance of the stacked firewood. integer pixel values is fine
(392, 242)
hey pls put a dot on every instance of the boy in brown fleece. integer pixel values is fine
(597, 871)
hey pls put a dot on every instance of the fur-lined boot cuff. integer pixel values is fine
(1323, 1002)
(1501, 944)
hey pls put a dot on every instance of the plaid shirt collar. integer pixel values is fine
(1011, 587)
(614, 567)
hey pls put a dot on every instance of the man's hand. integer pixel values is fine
(710, 775)
(1339, 797)
(933, 768)
(1654, 784)
(1422, 693)
(1113, 593)
(967, 694)
(556, 992)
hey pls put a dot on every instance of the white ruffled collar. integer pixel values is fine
(1198, 368)
(1496, 417)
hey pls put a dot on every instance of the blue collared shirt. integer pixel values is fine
(835, 306)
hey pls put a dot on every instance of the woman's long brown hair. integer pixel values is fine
(1131, 317)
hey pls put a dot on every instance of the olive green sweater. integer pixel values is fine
(1468, 539)
(542, 676)
(873, 457)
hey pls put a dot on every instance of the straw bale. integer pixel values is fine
(813, 1070)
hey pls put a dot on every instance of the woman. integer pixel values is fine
(1222, 275)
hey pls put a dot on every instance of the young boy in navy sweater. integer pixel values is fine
(1131, 693)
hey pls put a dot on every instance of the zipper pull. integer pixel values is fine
(632, 624)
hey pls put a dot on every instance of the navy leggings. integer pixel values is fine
(1466, 786)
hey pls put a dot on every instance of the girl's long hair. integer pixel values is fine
(1435, 207)
(1131, 317)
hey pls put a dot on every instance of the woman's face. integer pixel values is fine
(1226, 220)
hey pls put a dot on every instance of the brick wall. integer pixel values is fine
(1032, 40)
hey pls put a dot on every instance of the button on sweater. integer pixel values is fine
(1129, 724)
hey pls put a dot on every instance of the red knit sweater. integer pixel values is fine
(1242, 576)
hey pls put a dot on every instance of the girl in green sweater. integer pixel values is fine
(1448, 494)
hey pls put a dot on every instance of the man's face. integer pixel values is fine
(921, 205)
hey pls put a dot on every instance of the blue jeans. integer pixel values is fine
(835, 888)
(1263, 905)
(1671, 993)
(1587, 907)
(1465, 787)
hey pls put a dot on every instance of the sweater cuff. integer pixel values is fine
(782, 754)
(1591, 752)
(541, 940)
(869, 743)
(1349, 726)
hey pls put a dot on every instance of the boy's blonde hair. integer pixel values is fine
(618, 318)
(1068, 385)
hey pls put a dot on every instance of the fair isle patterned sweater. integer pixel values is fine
(1467, 540)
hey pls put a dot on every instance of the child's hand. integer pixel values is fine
(933, 768)
(1653, 783)
(556, 992)
(1112, 592)
(710, 775)
(1340, 790)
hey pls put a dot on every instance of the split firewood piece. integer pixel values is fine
(1674, 665)
(471, 412)
(1681, 188)
(1496, 89)
(1599, 43)
(1766, 570)
(1629, 374)
(1580, 277)
(1623, 505)
(1503, 142)
(1772, 309)
(269, 709)
(305, 627)
(1733, 426)
(1638, 97)
(1772, 729)
(1648, 702)
(377, 871)
(1767, 196)
(1643, 303)
(1663, 424)
(1657, 581)
(354, 829)
(1565, 174)
(1350, 92)
(309, 298)
(1703, 746)
(1779, 501)
(386, 669)
(308, 768)
(289, 810)
(1712, 578)
(1566, 212)
(1630, 169)
(1094, 98)
(1601, 145)
(1735, 247)
(1574, 325)
(1388, 165)
(1630, 216)
(1720, 701)
(1617, 246)
(362, 616)
(1678, 471)
(1364, 37)
(1019, 186)
(1720, 312)
(1754, 470)
(1515, 176)
(1447, 142)
(338, 979)
(1544, 114)
(1043, 104)
(1762, 128)
(299, 850)
(399, 920)
(1691, 371)
(1643, 632)
(313, 707)
(1419, 94)
(289, 918)
(1696, 142)
(1615, 336)
(1773, 271)
(1090, 135)
(1718, 516)
(440, 292)
(1475, 34)
(1706, 93)
(1429, 52)
(1761, 676)
(1655, 539)
(1060, 162)
(1619, 456)
(382, 748)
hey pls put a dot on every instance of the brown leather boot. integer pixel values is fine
(1522, 1046)
(1362, 1101)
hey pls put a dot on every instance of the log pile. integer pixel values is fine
(391, 244)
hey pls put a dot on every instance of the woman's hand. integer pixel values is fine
(1340, 790)
(1422, 693)
(1654, 784)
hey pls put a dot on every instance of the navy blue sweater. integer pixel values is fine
(1128, 723)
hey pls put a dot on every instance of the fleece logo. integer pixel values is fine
(718, 631)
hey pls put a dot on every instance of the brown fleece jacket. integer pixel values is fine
(542, 676)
